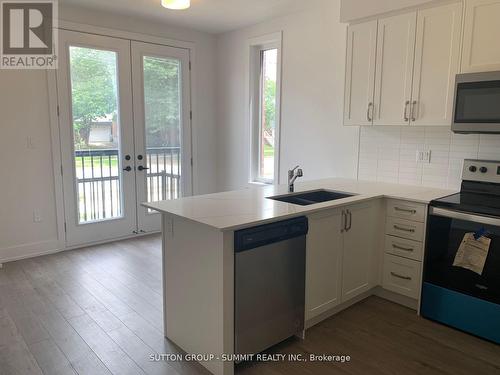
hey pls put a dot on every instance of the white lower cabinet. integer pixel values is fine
(323, 262)
(341, 259)
(402, 275)
(405, 228)
(404, 247)
(359, 261)
(352, 249)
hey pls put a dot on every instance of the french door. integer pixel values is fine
(125, 133)
(162, 143)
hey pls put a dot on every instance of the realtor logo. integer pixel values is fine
(29, 37)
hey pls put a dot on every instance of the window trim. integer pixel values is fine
(256, 46)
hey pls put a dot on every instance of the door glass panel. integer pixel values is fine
(96, 134)
(162, 108)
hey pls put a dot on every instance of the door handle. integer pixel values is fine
(141, 168)
(128, 168)
(344, 222)
(413, 105)
(405, 116)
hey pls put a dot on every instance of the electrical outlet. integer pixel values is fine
(423, 156)
(37, 216)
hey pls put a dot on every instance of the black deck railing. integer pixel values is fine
(98, 180)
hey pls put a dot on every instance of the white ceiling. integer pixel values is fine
(213, 16)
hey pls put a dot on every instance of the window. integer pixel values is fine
(265, 113)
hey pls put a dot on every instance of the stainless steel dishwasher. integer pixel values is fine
(269, 284)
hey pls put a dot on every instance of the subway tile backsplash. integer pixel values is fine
(388, 154)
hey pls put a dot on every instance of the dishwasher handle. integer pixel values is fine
(247, 239)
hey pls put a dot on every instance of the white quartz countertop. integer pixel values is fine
(249, 207)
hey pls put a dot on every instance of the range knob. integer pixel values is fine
(472, 168)
(483, 169)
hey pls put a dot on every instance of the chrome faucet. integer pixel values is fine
(292, 176)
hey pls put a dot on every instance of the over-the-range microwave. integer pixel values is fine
(477, 103)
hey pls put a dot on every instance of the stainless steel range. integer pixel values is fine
(461, 281)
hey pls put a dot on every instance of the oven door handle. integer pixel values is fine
(464, 216)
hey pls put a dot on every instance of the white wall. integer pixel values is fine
(27, 178)
(356, 9)
(388, 154)
(312, 134)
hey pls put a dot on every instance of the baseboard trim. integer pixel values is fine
(36, 249)
(376, 291)
(396, 298)
(30, 250)
(95, 243)
(335, 310)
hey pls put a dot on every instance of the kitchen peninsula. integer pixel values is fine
(198, 254)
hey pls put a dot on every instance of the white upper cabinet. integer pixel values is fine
(481, 50)
(394, 69)
(360, 73)
(437, 61)
(417, 58)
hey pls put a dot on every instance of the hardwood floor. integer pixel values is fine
(99, 311)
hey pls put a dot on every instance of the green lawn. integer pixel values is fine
(87, 162)
(268, 151)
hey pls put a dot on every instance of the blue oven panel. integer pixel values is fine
(469, 314)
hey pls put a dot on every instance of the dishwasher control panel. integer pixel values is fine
(246, 239)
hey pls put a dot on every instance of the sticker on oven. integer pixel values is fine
(472, 253)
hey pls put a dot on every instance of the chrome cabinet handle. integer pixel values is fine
(413, 105)
(344, 222)
(400, 276)
(350, 220)
(369, 112)
(402, 248)
(405, 116)
(405, 210)
(397, 227)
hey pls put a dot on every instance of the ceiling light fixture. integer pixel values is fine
(176, 4)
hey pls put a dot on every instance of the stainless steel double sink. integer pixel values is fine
(307, 198)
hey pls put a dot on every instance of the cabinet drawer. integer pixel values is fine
(401, 275)
(406, 210)
(404, 229)
(404, 248)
